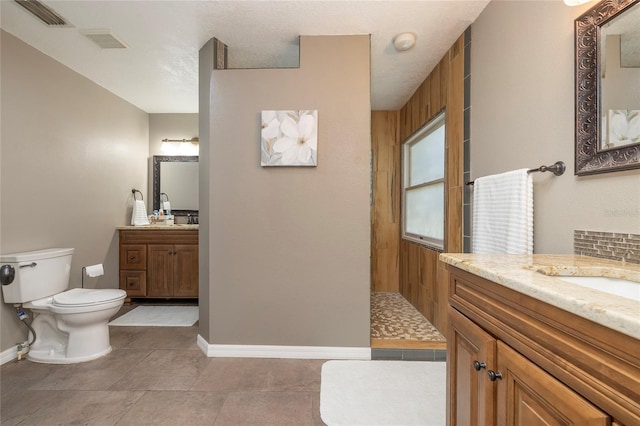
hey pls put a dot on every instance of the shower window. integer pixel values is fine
(423, 184)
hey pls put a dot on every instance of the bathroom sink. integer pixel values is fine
(616, 286)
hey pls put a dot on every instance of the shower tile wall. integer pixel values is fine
(466, 141)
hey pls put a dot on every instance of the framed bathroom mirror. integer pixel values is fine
(177, 177)
(607, 85)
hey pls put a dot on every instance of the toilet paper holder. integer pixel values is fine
(92, 271)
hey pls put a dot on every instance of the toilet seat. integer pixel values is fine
(79, 297)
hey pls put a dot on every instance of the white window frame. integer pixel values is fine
(433, 125)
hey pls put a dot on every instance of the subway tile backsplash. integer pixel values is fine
(607, 245)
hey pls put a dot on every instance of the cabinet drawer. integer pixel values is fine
(133, 257)
(134, 283)
(159, 236)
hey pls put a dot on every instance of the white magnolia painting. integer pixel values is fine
(624, 128)
(289, 138)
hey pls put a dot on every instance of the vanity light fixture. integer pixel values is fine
(192, 140)
(404, 41)
(181, 146)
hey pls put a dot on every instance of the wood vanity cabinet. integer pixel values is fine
(470, 349)
(514, 360)
(159, 263)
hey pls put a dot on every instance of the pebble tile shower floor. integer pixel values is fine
(399, 331)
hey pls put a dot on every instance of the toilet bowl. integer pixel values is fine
(70, 325)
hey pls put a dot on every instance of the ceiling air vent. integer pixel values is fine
(43, 12)
(104, 38)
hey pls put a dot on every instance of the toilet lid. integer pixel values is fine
(87, 297)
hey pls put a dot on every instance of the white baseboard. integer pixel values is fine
(8, 355)
(294, 352)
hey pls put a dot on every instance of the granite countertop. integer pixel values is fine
(178, 227)
(537, 276)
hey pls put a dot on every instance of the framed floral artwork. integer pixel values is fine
(289, 138)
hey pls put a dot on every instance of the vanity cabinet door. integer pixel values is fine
(172, 270)
(160, 270)
(529, 396)
(471, 353)
(185, 282)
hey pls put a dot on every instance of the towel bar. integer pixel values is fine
(558, 168)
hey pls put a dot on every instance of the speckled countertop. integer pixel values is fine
(537, 276)
(156, 227)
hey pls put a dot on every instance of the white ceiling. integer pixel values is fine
(158, 72)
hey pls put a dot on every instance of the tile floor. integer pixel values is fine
(157, 376)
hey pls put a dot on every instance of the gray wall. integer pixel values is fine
(71, 152)
(289, 247)
(205, 94)
(522, 116)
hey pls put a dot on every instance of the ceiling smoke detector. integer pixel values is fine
(404, 41)
(104, 38)
(43, 12)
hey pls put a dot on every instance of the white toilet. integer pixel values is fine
(70, 325)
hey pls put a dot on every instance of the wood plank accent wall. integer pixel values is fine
(385, 212)
(422, 279)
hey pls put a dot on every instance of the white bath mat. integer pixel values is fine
(159, 316)
(392, 393)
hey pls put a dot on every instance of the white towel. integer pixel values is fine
(503, 213)
(139, 215)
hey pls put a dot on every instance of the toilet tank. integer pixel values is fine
(38, 274)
